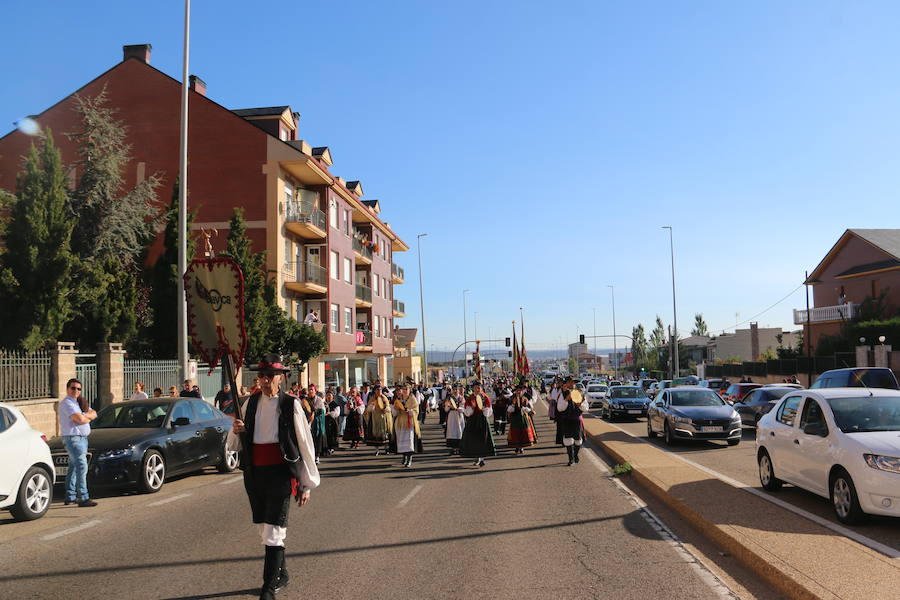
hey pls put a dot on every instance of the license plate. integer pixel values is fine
(711, 429)
(62, 471)
(634, 412)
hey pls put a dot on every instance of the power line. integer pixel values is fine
(736, 325)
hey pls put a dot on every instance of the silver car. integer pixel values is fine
(692, 413)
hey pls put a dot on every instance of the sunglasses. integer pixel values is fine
(72, 387)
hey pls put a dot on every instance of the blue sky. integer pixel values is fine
(542, 146)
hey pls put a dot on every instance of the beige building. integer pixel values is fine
(749, 344)
(406, 362)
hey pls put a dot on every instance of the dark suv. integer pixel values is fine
(873, 377)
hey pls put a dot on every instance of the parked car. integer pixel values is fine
(596, 392)
(737, 391)
(26, 471)
(142, 443)
(795, 386)
(873, 377)
(646, 383)
(758, 402)
(614, 382)
(624, 401)
(717, 385)
(692, 413)
(839, 443)
(689, 380)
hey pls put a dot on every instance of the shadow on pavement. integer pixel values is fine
(247, 592)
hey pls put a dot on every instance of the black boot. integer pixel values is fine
(577, 449)
(409, 460)
(283, 579)
(271, 571)
(571, 454)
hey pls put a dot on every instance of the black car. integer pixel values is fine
(624, 401)
(144, 442)
(873, 377)
(758, 402)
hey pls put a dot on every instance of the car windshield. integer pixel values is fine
(866, 413)
(628, 392)
(695, 398)
(874, 378)
(596, 388)
(145, 414)
(773, 395)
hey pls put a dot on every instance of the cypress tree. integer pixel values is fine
(256, 313)
(36, 277)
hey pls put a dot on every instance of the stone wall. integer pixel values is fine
(41, 414)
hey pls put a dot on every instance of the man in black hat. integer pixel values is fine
(278, 460)
(569, 408)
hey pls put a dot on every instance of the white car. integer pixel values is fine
(26, 471)
(595, 393)
(840, 443)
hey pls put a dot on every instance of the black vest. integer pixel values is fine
(287, 435)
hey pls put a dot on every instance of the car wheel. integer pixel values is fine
(670, 437)
(153, 472)
(230, 461)
(650, 433)
(767, 473)
(35, 493)
(844, 499)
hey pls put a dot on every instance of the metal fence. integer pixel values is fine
(24, 375)
(86, 372)
(787, 366)
(153, 373)
(210, 383)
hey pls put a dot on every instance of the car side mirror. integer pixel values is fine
(818, 429)
(181, 422)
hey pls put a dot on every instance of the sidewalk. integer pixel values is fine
(799, 557)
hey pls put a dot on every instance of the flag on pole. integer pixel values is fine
(524, 368)
(476, 358)
(515, 345)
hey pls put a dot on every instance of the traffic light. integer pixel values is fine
(581, 338)
(507, 342)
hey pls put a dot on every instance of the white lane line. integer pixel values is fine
(848, 533)
(705, 574)
(169, 499)
(410, 495)
(232, 480)
(81, 527)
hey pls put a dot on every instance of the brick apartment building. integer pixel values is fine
(327, 248)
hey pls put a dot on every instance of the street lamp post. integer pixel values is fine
(674, 310)
(465, 337)
(422, 302)
(182, 200)
(615, 346)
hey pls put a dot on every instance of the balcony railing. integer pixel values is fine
(820, 314)
(305, 212)
(399, 307)
(363, 337)
(363, 292)
(397, 271)
(358, 246)
(305, 272)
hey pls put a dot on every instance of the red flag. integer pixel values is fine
(477, 359)
(516, 362)
(525, 368)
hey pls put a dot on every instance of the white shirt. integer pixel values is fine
(265, 431)
(139, 396)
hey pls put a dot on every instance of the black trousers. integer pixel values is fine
(269, 491)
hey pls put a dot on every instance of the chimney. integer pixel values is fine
(197, 84)
(754, 341)
(138, 51)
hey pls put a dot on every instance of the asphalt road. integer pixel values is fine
(739, 463)
(523, 526)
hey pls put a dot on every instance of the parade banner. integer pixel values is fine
(214, 290)
(516, 362)
(524, 367)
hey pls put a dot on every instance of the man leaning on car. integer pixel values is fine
(74, 427)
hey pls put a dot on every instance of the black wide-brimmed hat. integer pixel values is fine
(271, 363)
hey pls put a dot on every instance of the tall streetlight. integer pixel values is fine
(594, 310)
(615, 347)
(674, 311)
(475, 326)
(465, 336)
(422, 301)
(182, 200)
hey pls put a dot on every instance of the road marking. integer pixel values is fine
(232, 480)
(837, 528)
(169, 499)
(410, 495)
(81, 527)
(662, 530)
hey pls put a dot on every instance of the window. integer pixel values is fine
(6, 419)
(788, 410)
(377, 328)
(347, 222)
(375, 284)
(335, 317)
(334, 265)
(348, 269)
(288, 251)
(348, 320)
(288, 195)
(812, 415)
(183, 409)
(384, 329)
(333, 214)
(203, 410)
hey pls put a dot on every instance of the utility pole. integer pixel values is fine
(615, 346)
(422, 302)
(674, 310)
(182, 199)
(465, 336)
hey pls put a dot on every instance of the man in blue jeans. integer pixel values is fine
(74, 427)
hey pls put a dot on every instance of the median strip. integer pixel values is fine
(75, 529)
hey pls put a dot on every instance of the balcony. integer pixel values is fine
(396, 274)
(305, 278)
(305, 220)
(399, 309)
(363, 340)
(363, 296)
(362, 253)
(825, 314)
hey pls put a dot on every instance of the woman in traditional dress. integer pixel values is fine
(407, 435)
(317, 426)
(521, 425)
(379, 425)
(332, 412)
(477, 441)
(353, 430)
(454, 419)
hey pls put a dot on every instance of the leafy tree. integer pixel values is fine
(639, 345)
(658, 335)
(257, 307)
(36, 274)
(700, 327)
